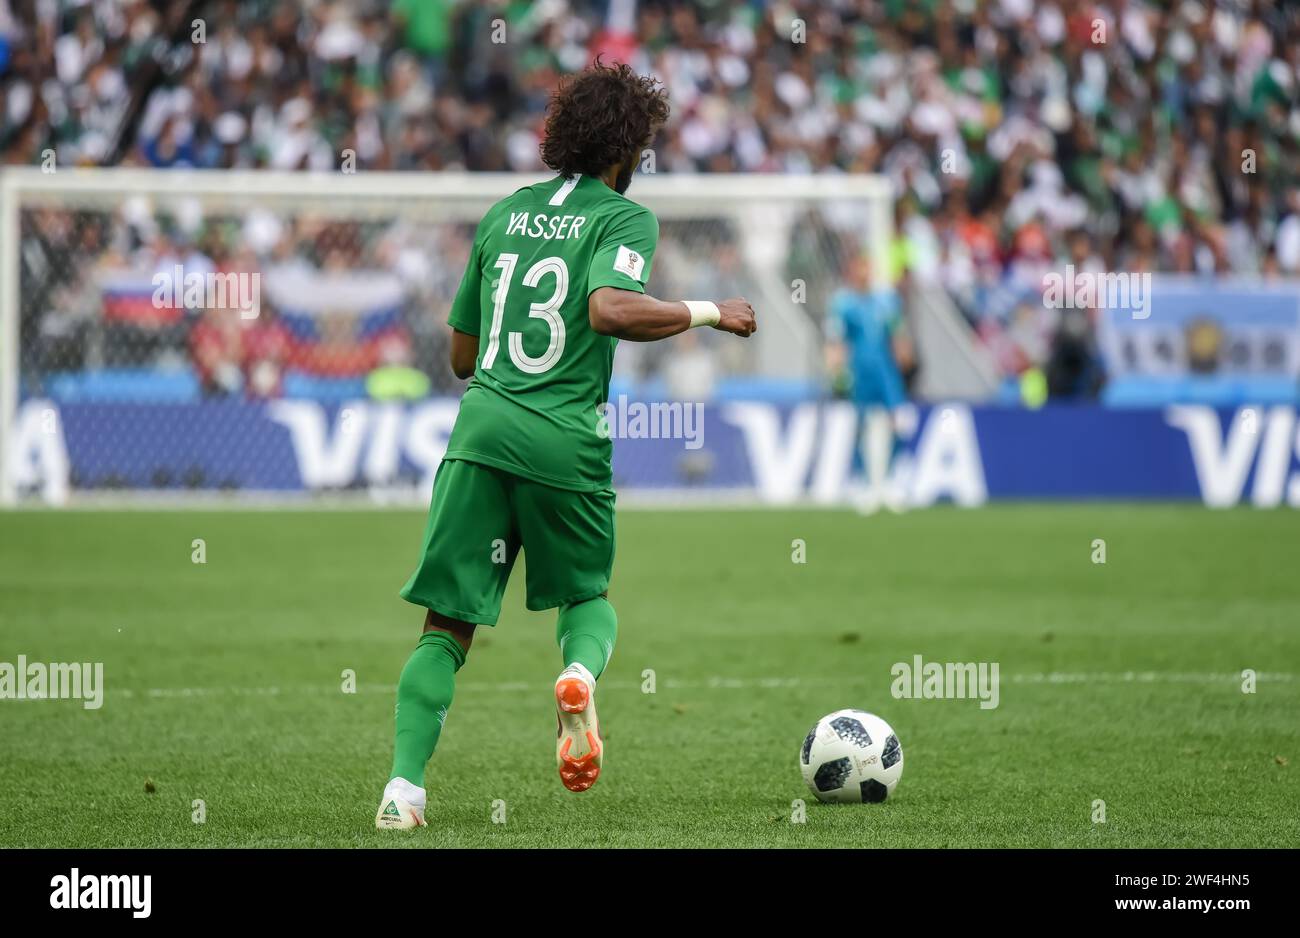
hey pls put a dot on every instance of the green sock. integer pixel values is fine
(586, 632)
(424, 693)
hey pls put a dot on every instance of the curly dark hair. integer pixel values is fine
(602, 116)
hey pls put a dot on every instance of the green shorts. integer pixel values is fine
(481, 516)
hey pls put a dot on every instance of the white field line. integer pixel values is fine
(717, 683)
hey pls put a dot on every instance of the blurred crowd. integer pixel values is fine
(1020, 135)
(344, 306)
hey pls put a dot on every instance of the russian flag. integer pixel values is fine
(337, 323)
(128, 297)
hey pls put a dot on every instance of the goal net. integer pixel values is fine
(234, 335)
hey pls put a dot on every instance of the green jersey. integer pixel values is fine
(532, 407)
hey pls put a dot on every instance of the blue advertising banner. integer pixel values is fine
(771, 453)
(1192, 325)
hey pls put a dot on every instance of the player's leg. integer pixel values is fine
(895, 396)
(470, 545)
(867, 399)
(424, 695)
(586, 632)
(569, 540)
(878, 445)
(878, 392)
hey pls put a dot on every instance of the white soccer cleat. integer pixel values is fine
(402, 808)
(578, 749)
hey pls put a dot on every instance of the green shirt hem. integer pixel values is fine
(506, 465)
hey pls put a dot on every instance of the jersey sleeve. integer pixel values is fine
(465, 315)
(625, 252)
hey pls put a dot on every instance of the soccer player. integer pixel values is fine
(556, 276)
(866, 336)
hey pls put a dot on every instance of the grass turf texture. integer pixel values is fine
(748, 649)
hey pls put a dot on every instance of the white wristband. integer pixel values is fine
(703, 312)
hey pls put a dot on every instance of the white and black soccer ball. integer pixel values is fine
(851, 756)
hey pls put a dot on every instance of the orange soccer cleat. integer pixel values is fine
(578, 750)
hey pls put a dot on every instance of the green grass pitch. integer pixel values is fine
(1120, 682)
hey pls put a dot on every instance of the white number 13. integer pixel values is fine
(548, 311)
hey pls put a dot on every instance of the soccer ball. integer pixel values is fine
(851, 756)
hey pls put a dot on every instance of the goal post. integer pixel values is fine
(117, 378)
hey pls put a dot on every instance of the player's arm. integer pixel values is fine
(900, 340)
(617, 304)
(464, 353)
(639, 317)
(465, 316)
(836, 348)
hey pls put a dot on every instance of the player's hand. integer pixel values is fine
(737, 317)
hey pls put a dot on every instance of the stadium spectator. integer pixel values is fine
(235, 356)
